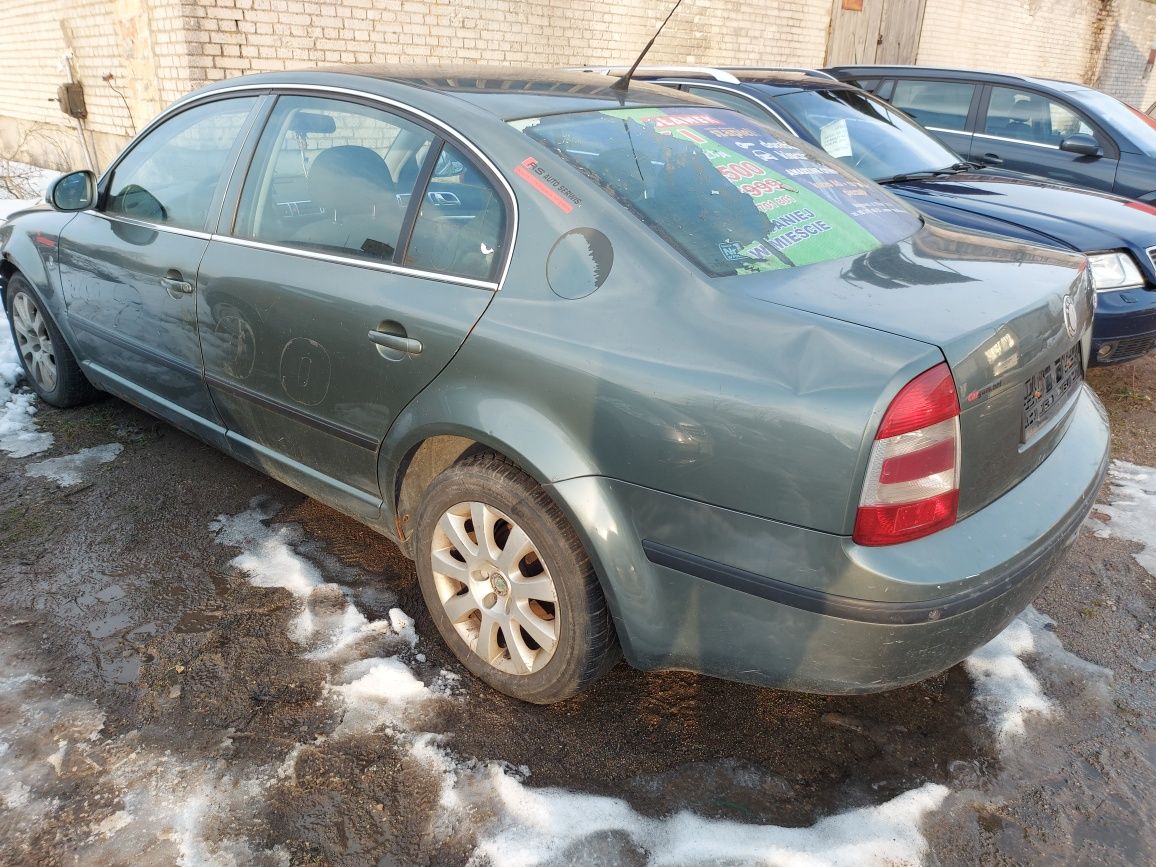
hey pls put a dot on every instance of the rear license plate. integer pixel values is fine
(1049, 389)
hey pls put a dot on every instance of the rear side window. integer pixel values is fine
(935, 104)
(1032, 117)
(171, 175)
(333, 177)
(729, 193)
(461, 223)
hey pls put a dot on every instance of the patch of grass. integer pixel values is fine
(18, 523)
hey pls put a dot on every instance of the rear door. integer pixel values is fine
(1021, 129)
(129, 267)
(943, 107)
(348, 279)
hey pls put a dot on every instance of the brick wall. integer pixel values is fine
(158, 49)
(1049, 38)
(1129, 34)
(236, 36)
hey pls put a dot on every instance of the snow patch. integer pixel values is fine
(1010, 693)
(539, 826)
(69, 470)
(521, 825)
(267, 557)
(161, 809)
(378, 691)
(19, 435)
(1131, 508)
(1005, 688)
(33, 184)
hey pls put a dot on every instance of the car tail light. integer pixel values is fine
(912, 484)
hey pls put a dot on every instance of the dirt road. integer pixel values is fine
(198, 665)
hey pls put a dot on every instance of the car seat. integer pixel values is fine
(354, 187)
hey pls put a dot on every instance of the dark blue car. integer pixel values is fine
(1118, 235)
(1056, 129)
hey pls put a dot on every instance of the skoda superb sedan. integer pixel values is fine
(623, 371)
(1118, 235)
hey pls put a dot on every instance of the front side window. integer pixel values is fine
(461, 224)
(1029, 116)
(937, 104)
(332, 177)
(171, 175)
(732, 195)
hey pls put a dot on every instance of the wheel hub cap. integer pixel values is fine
(33, 341)
(495, 588)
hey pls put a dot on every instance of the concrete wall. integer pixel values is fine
(156, 50)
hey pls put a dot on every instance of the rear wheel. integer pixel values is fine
(508, 584)
(48, 363)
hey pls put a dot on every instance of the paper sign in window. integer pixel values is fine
(834, 139)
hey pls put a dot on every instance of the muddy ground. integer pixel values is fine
(143, 671)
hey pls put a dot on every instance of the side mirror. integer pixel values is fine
(74, 191)
(1082, 144)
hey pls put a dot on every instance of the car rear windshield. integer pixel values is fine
(731, 194)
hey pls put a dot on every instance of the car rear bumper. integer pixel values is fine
(704, 589)
(1125, 326)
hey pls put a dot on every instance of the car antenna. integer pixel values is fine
(624, 82)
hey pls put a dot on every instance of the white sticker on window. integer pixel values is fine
(834, 139)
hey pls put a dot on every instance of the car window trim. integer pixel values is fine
(447, 132)
(1111, 149)
(388, 267)
(1035, 144)
(219, 194)
(417, 198)
(155, 227)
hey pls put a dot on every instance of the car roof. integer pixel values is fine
(507, 93)
(884, 71)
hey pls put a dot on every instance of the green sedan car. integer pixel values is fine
(624, 372)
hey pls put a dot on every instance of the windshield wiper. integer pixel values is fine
(953, 169)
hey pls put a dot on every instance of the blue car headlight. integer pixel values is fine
(1116, 270)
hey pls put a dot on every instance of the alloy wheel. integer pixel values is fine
(33, 342)
(495, 588)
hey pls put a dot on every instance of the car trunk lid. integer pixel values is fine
(1012, 320)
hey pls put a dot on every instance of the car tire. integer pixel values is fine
(49, 365)
(491, 599)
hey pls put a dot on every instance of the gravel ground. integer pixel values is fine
(158, 707)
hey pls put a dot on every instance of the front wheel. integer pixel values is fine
(508, 584)
(48, 363)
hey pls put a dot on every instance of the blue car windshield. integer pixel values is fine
(731, 194)
(1140, 128)
(865, 133)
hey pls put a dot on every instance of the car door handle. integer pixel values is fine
(396, 341)
(992, 160)
(175, 284)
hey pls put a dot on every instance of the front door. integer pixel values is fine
(315, 330)
(1022, 130)
(875, 31)
(129, 267)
